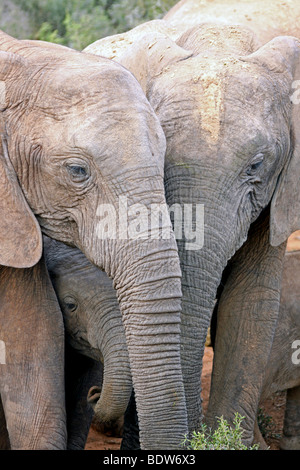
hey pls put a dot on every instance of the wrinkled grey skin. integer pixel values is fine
(80, 133)
(94, 329)
(93, 325)
(232, 145)
(32, 391)
(282, 370)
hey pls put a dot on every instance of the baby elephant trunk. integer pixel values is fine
(110, 401)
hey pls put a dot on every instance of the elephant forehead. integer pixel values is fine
(211, 104)
(214, 74)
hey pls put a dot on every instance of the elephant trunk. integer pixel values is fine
(141, 257)
(202, 265)
(111, 400)
(247, 316)
(201, 277)
(149, 294)
(151, 310)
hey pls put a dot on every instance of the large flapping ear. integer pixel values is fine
(144, 52)
(20, 233)
(282, 56)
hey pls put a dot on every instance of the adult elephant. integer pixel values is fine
(233, 146)
(82, 140)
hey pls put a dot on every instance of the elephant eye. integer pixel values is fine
(255, 165)
(78, 173)
(70, 304)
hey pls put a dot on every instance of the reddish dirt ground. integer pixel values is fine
(273, 408)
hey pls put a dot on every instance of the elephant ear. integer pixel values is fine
(282, 56)
(20, 233)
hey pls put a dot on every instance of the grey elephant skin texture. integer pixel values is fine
(282, 370)
(77, 133)
(94, 329)
(94, 335)
(223, 98)
(32, 392)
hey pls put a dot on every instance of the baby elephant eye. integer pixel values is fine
(71, 307)
(78, 173)
(70, 304)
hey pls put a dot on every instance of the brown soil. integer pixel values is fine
(273, 407)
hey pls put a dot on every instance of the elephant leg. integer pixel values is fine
(4, 438)
(81, 374)
(32, 377)
(130, 439)
(246, 322)
(291, 427)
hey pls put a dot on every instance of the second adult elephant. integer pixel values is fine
(81, 142)
(233, 140)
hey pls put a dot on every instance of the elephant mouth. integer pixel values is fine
(93, 395)
(78, 342)
(106, 416)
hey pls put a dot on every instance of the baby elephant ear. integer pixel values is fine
(281, 57)
(20, 233)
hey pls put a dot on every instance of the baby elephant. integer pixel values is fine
(283, 371)
(94, 329)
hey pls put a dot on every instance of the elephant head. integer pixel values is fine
(93, 325)
(233, 147)
(84, 152)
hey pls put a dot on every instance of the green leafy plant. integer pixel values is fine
(266, 425)
(46, 33)
(225, 437)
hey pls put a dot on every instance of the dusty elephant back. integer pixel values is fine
(268, 19)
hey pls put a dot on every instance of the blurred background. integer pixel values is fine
(76, 23)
